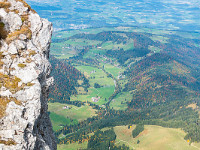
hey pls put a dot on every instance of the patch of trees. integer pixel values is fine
(102, 36)
(141, 40)
(138, 129)
(156, 59)
(122, 56)
(81, 53)
(65, 101)
(104, 140)
(60, 40)
(96, 85)
(65, 80)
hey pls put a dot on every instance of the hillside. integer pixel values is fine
(136, 75)
(66, 81)
(160, 78)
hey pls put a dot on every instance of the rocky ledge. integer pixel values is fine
(24, 78)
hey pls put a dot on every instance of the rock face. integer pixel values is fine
(24, 78)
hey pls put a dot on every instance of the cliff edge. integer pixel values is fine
(24, 78)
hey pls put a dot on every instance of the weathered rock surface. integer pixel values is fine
(24, 78)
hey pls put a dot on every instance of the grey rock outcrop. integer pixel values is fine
(24, 78)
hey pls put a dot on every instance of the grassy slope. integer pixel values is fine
(103, 92)
(57, 120)
(115, 71)
(154, 138)
(116, 103)
(124, 136)
(73, 146)
(99, 74)
(75, 113)
(101, 78)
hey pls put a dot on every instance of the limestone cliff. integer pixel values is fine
(24, 78)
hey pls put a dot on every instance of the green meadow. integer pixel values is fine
(59, 120)
(93, 52)
(61, 116)
(154, 138)
(73, 146)
(103, 92)
(114, 70)
(119, 103)
(95, 75)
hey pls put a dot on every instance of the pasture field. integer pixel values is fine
(64, 34)
(161, 39)
(75, 113)
(64, 56)
(154, 138)
(105, 129)
(81, 42)
(59, 120)
(56, 48)
(68, 48)
(108, 45)
(154, 49)
(93, 52)
(124, 136)
(119, 103)
(114, 70)
(123, 82)
(114, 46)
(95, 75)
(73, 146)
(103, 92)
(62, 51)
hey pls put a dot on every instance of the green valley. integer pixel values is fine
(114, 77)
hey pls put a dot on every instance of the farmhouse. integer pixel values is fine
(95, 99)
(65, 107)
